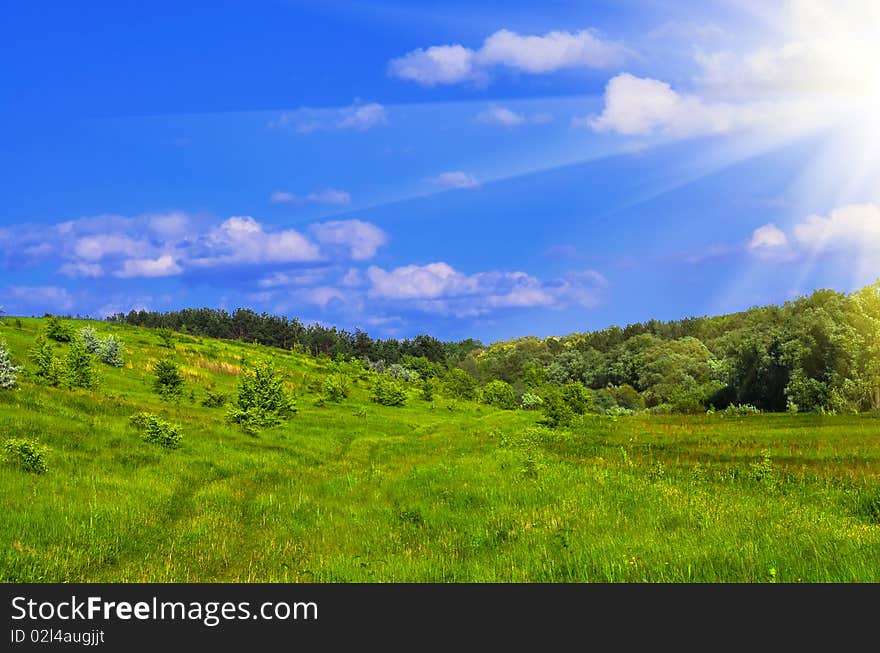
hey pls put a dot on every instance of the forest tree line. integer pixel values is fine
(815, 353)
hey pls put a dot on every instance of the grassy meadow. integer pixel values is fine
(433, 491)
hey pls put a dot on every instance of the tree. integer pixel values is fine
(78, 370)
(8, 371)
(49, 368)
(58, 330)
(111, 350)
(460, 384)
(168, 382)
(261, 400)
(498, 393)
(388, 392)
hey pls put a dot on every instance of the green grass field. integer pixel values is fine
(440, 491)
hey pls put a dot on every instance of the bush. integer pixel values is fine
(49, 368)
(498, 393)
(156, 431)
(261, 399)
(628, 397)
(8, 371)
(531, 401)
(403, 373)
(166, 337)
(110, 351)
(77, 368)
(388, 392)
(618, 411)
(58, 330)
(212, 398)
(556, 410)
(168, 382)
(460, 384)
(578, 397)
(739, 410)
(90, 339)
(27, 454)
(336, 387)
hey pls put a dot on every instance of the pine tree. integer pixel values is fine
(49, 368)
(110, 350)
(78, 370)
(261, 400)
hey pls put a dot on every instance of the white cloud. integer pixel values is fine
(551, 52)
(767, 237)
(439, 288)
(53, 299)
(283, 197)
(82, 269)
(352, 279)
(241, 239)
(642, 106)
(163, 266)
(854, 228)
(358, 116)
(94, 248)
(557, 50)
(454, 179)
(169, 225)
(361, 239)
(363, 117)
(329, 196)
(500, 116)
(438, 64)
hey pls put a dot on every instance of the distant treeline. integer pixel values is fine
(279, 331)
(815, 353)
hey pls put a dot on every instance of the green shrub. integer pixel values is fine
(627, 397)
(58, 330)
(388, 392)
(156, 431)
(555, 409)
(739, 410)
(261, 399)
(498, 393)
(168, 382)
(90, 339)
(110, 351)
(578, 397)
(531, 401)
(166, 338)
(78, 371)
(459, 384)
(8, 371)
(49, 368)
(26, 454)
(213, 398)
(336, 387)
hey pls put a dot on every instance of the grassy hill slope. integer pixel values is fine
(431, 491)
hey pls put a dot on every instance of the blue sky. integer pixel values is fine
(484, 170)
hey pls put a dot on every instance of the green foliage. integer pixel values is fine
(556, 410)
(78, 371)
(213, 398)
(167, 380)
(578, 397)
(262, 400)
(459, 384)
(49, 369)
(156, 431)
(531, 401)
(738, 410)
(166, 338)
(26, 454)
(8, 371)
(111, 351)
(388, 392)
(58, 330)
(627, 397)
(498, 393)
(90, 339)
(336, 387)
